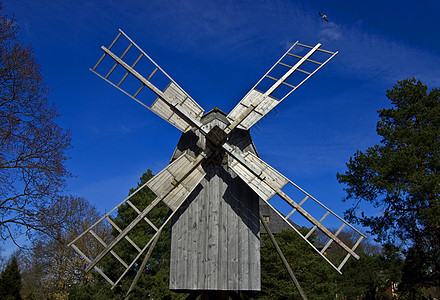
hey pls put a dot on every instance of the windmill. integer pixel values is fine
(215, 180)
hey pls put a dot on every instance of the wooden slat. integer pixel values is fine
(105, 245)
(162, 109)
(111, 45)
(314, 227)
(88, 260)
(116, 64)
(330, 240)
(254, 105)
(139, 212)
(294, 210)
(126, 237)
(178, 179)
(348, 255)
(302, 71)
(310, 60)
(126, 74)
(263, 187)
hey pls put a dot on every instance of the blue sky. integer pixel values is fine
(216, 51)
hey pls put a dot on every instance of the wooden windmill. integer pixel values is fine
(215, 179)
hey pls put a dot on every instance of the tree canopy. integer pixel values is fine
(50, 267)
(400, 178)
(10, 281)
(154, 281)
(32, 144)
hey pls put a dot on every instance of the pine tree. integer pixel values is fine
(154, 282)
(400, 178)
(316, 277)
(10, 281)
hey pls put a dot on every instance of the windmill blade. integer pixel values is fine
(123, 71)
(179, 179)
(285, 76)
(267, 182)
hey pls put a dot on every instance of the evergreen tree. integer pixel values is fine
(10, 281)
(154, 282)
(315, 276)
(400, 177)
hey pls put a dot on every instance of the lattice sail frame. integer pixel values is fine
(283, 80)
(174, 188)
(271, 183)
(171, 91)
(173, 184)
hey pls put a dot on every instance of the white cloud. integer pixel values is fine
(329, 32)
(369, 55)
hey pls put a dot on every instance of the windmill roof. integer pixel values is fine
(215, 113)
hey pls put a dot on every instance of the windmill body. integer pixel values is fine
(215, 180)
(215, 241)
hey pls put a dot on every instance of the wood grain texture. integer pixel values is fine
(215, 241)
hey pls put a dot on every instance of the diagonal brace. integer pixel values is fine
(283, 258)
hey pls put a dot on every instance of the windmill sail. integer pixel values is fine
(124, 71)
(285, 76)
(269, 182)
(200, 164)
(179, 179)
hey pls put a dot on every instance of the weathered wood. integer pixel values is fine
(263, 180)
(215, 234)
(214, 180)
(175, 182)
(171, 95)
(162, 109)
(283, 258)
(257, 104)
(142, 267)
(251, 109)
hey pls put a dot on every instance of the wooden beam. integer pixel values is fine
(283, 258)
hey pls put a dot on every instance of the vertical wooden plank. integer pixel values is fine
(223, 241)
(184, 243)
(213, 209)
(254, 247)
(203, 236)
(192, 245)
(242, 239)
(178, 254)
(233, 245)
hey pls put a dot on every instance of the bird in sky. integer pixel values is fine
(323, 16)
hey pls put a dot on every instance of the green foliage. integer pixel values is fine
(154, 282)
(400, 177)
(366, 278)
(97, 290)
(315, 276)
(362, 278)
(30, 296)
(10, 281)
(50, 267)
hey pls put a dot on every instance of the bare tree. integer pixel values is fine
(32, 144)
(52, 267)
